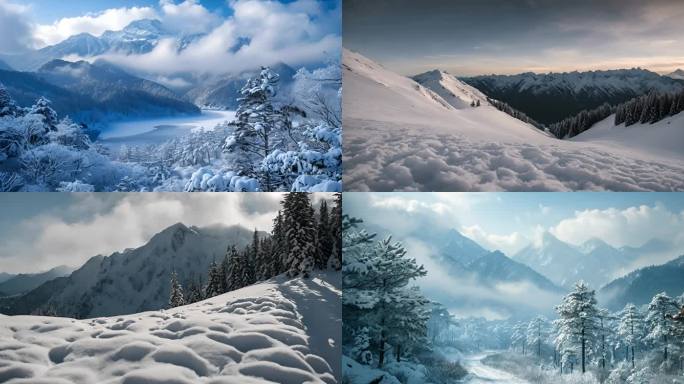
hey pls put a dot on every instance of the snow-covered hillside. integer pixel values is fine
(399, 135)
(279, 331)
(665, 136)
(457, 93)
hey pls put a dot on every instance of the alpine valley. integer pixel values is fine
(141, 108)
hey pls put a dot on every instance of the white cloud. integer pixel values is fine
(631, 226)
(51, 239)
(113, 19)
(15, 28)
(508, 244)
(187, 17)
(258, 33)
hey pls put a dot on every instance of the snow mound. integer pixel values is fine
(384, 157)
(264, 333)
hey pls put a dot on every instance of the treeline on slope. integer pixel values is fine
(504, 107)
(645, 109)
(386, 321)
(587, 338)
(303, 239)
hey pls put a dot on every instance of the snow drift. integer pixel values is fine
(277, 331)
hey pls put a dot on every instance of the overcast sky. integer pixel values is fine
(510, 221)
(39, 231)
(470, 37)
(240, 34)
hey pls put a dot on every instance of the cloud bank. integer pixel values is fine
(93, 225)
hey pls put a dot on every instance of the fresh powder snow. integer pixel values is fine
(284, 331)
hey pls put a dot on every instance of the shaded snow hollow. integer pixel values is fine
(402, 136)
(279, 331)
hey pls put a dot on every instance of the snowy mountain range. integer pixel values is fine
(93, 92)
(551, 97)
(638, 287)
(458, 94)
(24, 282)
(133, 280)
(140, 36)
(677, 74)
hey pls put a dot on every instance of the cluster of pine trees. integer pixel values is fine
(574, 125)
(586, 334)
(649, 108)
(504, 107)
(303, 239)
(381, 314)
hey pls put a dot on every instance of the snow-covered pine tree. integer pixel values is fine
(259, 128)
(631, 328)
(246, 276)
(660, 328)
(324, 239)
(375, 280)
(537, 331)
(300, 234)
(225, 269)
(519, 336)
(176, 298)
(7, 104)
(255, 262)
(279, 246)
(578, 321)
(335, 260)
(234, 272)
(43, 107)
(214, 284)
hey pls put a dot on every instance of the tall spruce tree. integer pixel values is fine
(215, 280)
(324, 237)
(578, 322)
(176, 297)
(631, 328)
(234, 273)
(335, 261)
(660, 328)
(300, 234)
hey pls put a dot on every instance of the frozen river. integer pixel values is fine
(157, 130)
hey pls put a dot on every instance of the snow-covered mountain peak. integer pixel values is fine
(594, 244)
(677, 74)
(457, 93)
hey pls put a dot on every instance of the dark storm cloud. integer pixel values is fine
(470, 37)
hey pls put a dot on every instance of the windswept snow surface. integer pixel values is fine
(265, 333)
(401, 136)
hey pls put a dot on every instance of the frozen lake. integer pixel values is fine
(157, 130)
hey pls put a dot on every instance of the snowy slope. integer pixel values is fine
(665, 136)
(399, 135)
(258, 334)
(455, 92)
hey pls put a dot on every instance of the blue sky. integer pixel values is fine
(48, 11)
(509, 221)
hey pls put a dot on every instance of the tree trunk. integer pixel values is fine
(583, 351)
(381, 354)
(665, 342)
(626, 353)
(632, 357)
(398, 353)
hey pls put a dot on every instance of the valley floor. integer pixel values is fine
(385, 156)
(284, 331)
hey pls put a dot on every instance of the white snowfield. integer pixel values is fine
(279, 331)
(400, 135)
